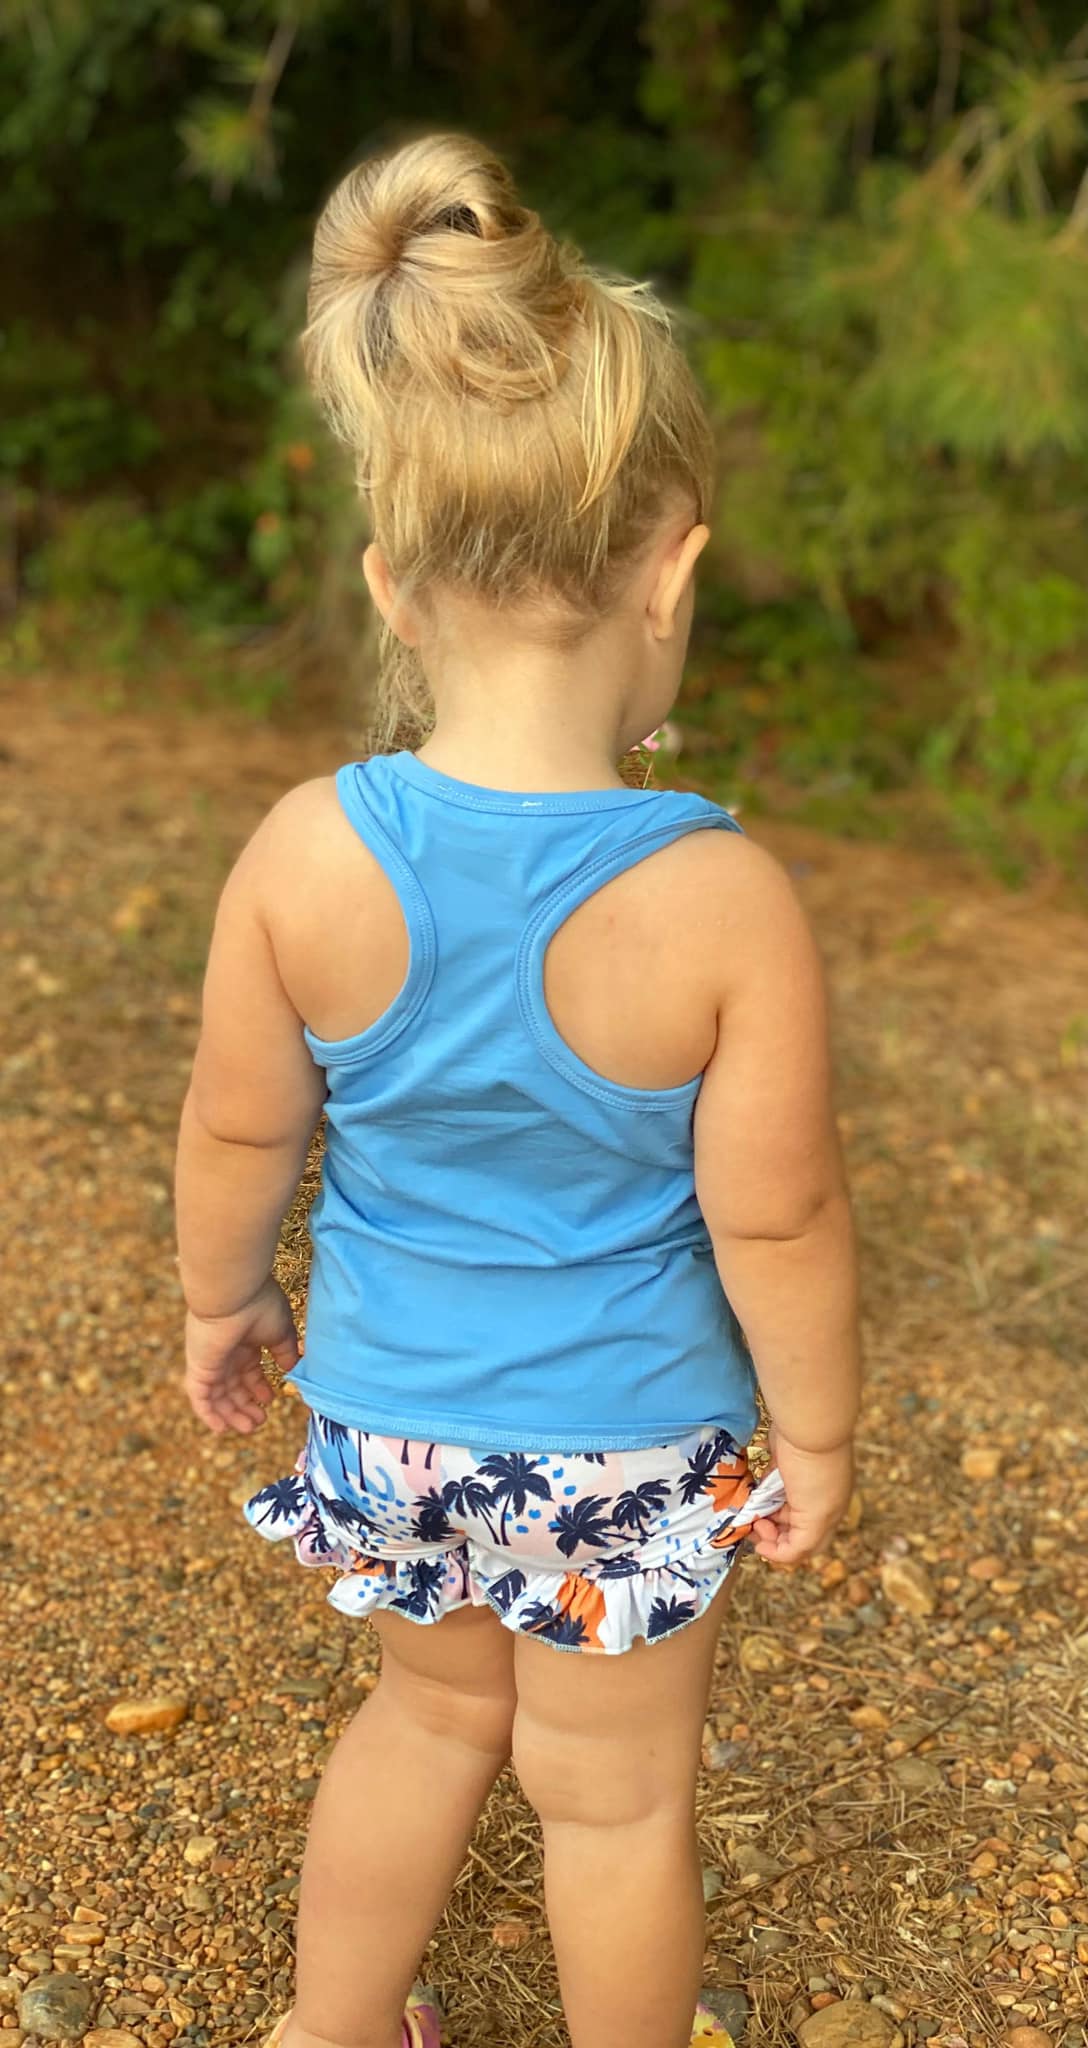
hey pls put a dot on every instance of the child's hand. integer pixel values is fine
(223, 1376)
(818, 1487)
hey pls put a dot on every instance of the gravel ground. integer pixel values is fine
(895, 1800)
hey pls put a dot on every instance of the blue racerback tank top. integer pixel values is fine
(508, 1252)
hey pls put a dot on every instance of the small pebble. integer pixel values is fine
(144, 1716)
(761, 1653)
(916, 1774)
(749, 1861)
(199, 1849)
(772, 1941)
(510, 1934)
(906, 1585)
(980, 1461)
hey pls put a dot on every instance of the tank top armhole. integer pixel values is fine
(539, 933)
(418, 921)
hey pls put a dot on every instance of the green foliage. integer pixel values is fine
(892, 303)
(875, 220)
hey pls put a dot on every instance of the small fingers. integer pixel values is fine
(286, 1353)
(224, 1409)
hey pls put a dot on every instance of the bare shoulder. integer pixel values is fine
(307, 819)
(304, 839)
(329, 910)
(741, 896)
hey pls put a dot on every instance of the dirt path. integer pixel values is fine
(896, 1801)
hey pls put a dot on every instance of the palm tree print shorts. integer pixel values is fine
(588, 1550)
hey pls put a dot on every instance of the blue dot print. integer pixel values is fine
(521, 1529)
(534, 1514)
(570, 1489)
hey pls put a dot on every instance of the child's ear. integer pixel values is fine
(673, 578)
(383, 590)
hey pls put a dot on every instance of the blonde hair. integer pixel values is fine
(520, 421)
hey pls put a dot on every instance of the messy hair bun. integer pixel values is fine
(518, 419)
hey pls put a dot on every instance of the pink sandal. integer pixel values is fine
(420, 2028)
(708, 2031)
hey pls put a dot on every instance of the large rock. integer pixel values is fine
(57, 2006)
(849, 2023)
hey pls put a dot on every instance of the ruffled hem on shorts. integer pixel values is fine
(604, 1606)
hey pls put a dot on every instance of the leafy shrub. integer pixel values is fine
(872, 221)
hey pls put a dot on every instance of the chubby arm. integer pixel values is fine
(770, 1182)
(253, 1102)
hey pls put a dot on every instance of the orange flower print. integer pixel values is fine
(580, 1600)
(730, 1483)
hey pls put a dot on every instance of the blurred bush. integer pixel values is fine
(874, 216)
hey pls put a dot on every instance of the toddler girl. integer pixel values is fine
(570, 1044)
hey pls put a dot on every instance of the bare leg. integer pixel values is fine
(392, 1820)
(607, 1750)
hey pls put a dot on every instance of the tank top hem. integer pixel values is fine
(428, 1426)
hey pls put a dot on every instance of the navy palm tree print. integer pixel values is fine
(582, 1522)
(430, 1521)
(693, 1482)
(347, 1516)
(636, 1508)
(665, 1615)
(338, 1434)
(317, 1539)
(622, 1566)
(506, 1590)
(468, 1496)
(406, 1453)
(426, 1580)
(282, 1500)
(517, 1480)
(540, 1618)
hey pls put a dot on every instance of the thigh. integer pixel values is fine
(614, 1739)
(455, 1676)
